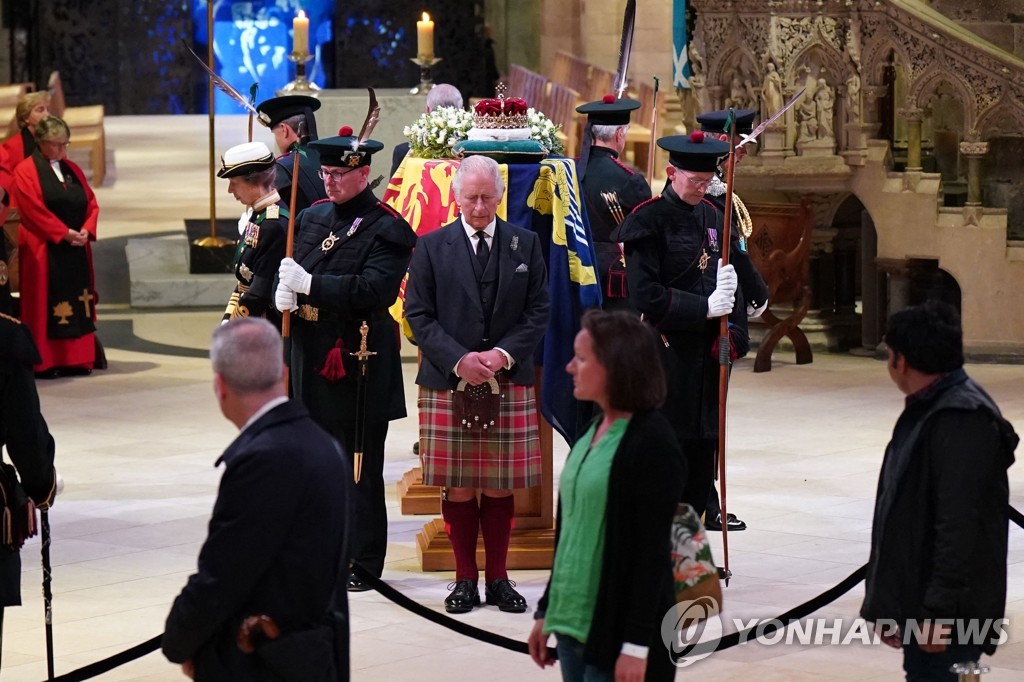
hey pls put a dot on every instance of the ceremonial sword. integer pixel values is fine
(362, 356)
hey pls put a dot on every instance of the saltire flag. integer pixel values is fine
(547, 199)
(681, 69)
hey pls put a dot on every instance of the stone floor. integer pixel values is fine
(137, 442)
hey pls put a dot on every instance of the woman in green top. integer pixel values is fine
(611, 583)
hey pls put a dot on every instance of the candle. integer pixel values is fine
(425, 38)
(300, 33)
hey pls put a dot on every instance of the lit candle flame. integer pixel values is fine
(426, 17)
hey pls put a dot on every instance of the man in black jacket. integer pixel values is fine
(291, 121)
(938, 543)
(276, 538)
(351, 254)
(29, 445)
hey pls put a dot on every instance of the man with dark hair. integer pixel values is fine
(351, 254)
(291, 121)
(939, 539)
(277, 536)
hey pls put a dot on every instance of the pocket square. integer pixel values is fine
(522, 268)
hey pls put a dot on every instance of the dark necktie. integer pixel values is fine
(482, 251)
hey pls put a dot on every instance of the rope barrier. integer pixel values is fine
(461, 627)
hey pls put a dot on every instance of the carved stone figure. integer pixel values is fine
(853, 111)
(771, 91)
(824, 100)
(807, 119)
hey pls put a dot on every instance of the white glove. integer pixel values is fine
(59, 488)
(294, 277)
(754, 313)
(721, 300)
(285, 298)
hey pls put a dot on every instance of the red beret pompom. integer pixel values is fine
(608, 99)
(345, 131)
(697, 136)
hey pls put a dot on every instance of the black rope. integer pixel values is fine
(108, 664)
(458, 626)
(390, 593)
(797, 612)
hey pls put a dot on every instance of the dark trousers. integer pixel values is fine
(368, 528)
(924, 667)
(700, 471)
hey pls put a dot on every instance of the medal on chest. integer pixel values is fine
(245, 272)
(355, 226)
(252, 235)
(329, 242)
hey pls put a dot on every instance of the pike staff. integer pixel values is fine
(653, 148)
(289, 249)
(723, 341)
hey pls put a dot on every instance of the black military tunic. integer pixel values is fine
(261, 250)
(605, 173)
(357, 253)
(665, 242)
(311, 187)
(755, 291)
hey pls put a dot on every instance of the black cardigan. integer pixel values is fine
(636, 590)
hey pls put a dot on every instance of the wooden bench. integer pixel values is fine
(86, 124)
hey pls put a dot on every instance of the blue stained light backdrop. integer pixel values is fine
(251, 43)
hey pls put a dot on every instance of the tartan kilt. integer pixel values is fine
(504, 458)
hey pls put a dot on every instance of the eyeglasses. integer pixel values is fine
(336, 176)
(56, 142)
(698, 184)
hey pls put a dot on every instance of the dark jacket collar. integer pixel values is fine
(356, 206)
(669, 195)
(289, 411)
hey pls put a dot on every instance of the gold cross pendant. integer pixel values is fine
(703, 262)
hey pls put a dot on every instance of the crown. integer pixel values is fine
(500, 112)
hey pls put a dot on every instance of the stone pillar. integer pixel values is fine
(913, 116)
(822, 273)
(899, 283)
(845, 247)
(975, 152)
(872, 285)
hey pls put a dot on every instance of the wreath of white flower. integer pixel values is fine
(434, 135)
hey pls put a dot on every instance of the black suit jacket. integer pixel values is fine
(442, 301)
(274, 545)
(399, 153)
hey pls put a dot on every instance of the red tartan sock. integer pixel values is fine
(462, 523)
(496, 522)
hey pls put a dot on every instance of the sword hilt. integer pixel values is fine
(363, 354)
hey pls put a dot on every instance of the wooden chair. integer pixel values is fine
(517, 77)
(562, 70)
(9, 96)
(638, 139)
(86, 124)
(579, 76)
(561, 109)
(600, 82)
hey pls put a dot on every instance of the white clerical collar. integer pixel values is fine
(470, 230)
(55, 165)
(267, 407)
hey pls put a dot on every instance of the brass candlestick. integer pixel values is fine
(300, 84)
(426, 83)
